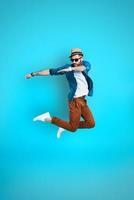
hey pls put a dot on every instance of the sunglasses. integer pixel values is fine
(76, 60)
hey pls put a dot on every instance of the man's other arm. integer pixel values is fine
(86, 66)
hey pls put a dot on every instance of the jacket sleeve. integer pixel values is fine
(87, 65)
(54, 71)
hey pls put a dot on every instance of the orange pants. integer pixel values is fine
(77, 107)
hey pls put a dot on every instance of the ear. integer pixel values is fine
(81, 59)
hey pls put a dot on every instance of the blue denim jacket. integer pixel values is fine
(71, 78)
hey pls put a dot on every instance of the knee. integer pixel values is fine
(91, 124)
(73, 129)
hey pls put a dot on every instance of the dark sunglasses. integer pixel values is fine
(76, 60)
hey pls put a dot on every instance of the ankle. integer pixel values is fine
(48, 119)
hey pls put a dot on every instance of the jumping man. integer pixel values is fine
(81, 85)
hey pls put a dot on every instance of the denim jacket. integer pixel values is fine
(71, 78)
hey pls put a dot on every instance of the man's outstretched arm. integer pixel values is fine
(45, 72)
(51, 71)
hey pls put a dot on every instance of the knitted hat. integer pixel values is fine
(76, 51)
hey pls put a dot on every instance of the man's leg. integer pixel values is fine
(87, 116)
(74, 118)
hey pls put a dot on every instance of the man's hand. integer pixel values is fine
(28, 76)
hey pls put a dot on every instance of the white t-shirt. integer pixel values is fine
(82, 86)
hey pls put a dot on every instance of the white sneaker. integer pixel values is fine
(42, 117)
(60, 130)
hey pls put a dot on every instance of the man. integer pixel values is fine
(81, 85)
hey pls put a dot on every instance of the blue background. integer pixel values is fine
(97, 163)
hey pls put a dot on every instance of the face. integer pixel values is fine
(76, 60)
